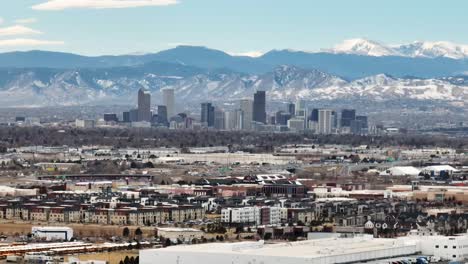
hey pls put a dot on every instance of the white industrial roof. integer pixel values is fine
(303, 249)
(438, 168)
(401, 171)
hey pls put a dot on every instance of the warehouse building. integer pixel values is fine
(323, 251)
(51, 233)
(362, 248)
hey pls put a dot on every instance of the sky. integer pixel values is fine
(252, 27)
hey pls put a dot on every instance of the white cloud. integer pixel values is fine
(28, 42)
(17, 30)
(56, 5)
(1, 20)
(26, 21)
(253, 54)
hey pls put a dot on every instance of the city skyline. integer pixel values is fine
(233, 132)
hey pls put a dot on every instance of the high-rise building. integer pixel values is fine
(364, 121)
(219, 119)
(169, 101)
(324, 121)
(162, 115)
(312, 120)
(207, 115)
(360, 125)
(133, 115)
(246, 106)
(314, 115)
(144, 105)
(301, 108)
(282, 118)
(347, 115)
(259, 107)
(233, 119)
(126, 117)
(335, 120)
(292, 109)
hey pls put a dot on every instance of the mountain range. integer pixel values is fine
(118, 85)
(355, 69)
(416, 49)
(349, 63)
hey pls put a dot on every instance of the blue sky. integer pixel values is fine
(96, 27)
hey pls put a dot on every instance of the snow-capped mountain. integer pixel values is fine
(383, 87)
(434, 49)
(364, 47)
(416, 49)
(52, 87)
(403, 60)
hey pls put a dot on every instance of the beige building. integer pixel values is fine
(185, 235)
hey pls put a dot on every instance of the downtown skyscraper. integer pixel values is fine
(168, 99)
(207, 115)
(246, 106)
(259, 107)
(144, 105)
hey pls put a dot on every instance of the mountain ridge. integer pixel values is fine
(55, 87)
(202, 57)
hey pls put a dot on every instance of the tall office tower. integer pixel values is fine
(282, 118)
(233, 119)
(246, 105)
(324, 121)
(360, 125)
(292, 109)
(335, 120)
(259, 107)
(133, 115)
(169, 101)
(207, 114)
(162, 115)
(239, 117)
(347, 115)
(314, 115)
(301, 108)
(312, 120)
(219, 119)
(144, 105)
(363, 119)
(229, 120)
(126, 117)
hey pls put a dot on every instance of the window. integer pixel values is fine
(454, 256)
(437, 246)
(445, 246)
(454, 247)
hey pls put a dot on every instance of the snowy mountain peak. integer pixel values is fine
(416, 49)
(365, 47)
(376, 80)
(434, 49)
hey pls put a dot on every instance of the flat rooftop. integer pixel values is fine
(304, 249)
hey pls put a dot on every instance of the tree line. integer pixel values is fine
(13, 137)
